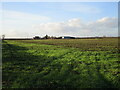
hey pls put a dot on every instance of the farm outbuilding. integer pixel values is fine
(36, 37)
(67, 37)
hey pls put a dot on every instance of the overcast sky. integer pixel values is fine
(27, 19)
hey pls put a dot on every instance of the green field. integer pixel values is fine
(70, 63)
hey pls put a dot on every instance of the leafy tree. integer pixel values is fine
(3, 37)
(47, 37)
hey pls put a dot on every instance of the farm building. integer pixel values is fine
(67, 37)
(36, 37)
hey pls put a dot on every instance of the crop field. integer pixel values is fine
(61, 63)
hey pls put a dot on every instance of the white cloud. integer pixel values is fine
(81, 8)
(108, 22)
(105, 24)
(76, 27)
(14, 16)
(19, 24)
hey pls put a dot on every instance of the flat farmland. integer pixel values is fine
(61, 63)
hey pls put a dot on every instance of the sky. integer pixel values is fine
(27, 19)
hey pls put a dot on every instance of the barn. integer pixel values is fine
(36, 37)
(67, 37)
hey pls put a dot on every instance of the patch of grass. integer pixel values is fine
(32, 64)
